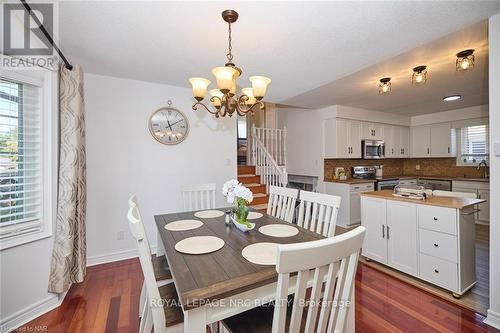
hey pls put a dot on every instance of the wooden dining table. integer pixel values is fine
(221, 284)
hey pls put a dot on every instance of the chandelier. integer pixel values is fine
(224, 99)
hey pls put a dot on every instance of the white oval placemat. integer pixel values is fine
(254, 215)
(183, 225)
(206, 214)
(261, 253)
(278, 230)
(199, 244)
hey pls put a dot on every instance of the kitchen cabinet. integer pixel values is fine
(372, 131)
(437, 140)
(397, 141)
(421, 141)
(433, 243)
(342, 138)
(404, 141)
(401, 236)
(350, 204)
(373, 218)
(482, 191)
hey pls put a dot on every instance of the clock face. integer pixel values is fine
(168, 126)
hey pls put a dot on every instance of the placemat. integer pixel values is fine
(254, 215)
(183, 225)
(199, 244)
(207, 214)
(278, 230)
(261, 253)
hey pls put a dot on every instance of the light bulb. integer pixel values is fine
(419, 78)
(465, 63)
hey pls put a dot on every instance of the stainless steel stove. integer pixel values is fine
(368, 172)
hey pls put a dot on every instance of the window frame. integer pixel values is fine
(47, 81)
(460, 162)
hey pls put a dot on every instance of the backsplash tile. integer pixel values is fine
(431, 167)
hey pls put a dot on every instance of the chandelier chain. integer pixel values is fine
(230, 55)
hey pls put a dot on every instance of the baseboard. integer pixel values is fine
(493, 319)
(31, 312)
(110, 257)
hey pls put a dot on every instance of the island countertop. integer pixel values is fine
(448, 202)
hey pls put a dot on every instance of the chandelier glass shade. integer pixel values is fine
(419, 75)
(465, 60)
(225, 99)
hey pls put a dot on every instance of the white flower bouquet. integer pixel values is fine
(239, 196)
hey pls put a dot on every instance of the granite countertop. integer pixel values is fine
(351, 181)
(358, 181)
(447, 202)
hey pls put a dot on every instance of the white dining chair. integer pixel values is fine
(162, 307)
(328, 266)
(281, 202)
(160, 265)
(198, 196)
(440, 193)
(318, 212)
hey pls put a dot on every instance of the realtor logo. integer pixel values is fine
(22, 34)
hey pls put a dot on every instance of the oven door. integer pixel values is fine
(373, 149)
(386, 185)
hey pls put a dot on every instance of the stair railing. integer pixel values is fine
(274, 140)
(266, 167)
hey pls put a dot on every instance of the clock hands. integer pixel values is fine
(178, 121)
(168, 122)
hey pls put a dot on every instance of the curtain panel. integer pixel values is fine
(69, 253)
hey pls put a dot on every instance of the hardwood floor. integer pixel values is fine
(107, 301)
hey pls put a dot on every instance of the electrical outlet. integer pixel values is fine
(120, 235)
(417, 167)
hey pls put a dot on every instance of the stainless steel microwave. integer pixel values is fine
(372, 149)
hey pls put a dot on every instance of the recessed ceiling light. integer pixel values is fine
(451, 98)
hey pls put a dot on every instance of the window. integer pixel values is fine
(24, 159)
(474, 144)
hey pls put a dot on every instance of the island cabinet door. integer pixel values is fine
(402, 236)
(373, 218)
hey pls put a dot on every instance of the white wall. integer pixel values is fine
(473, 112)
(123, 158)
(494, 86)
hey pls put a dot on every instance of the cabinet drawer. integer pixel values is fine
(366, 187)
(439, 245)
(438, 271)
(437, 219)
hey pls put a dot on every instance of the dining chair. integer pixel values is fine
(281, 202)
(318, 212)
(198, 196)
(440, 193)
(160, 265)
(162, 309)
(328, 266)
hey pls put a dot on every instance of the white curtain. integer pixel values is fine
(69, 253)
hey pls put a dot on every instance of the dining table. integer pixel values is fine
(221, 284)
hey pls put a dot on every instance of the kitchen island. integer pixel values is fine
(430, 239)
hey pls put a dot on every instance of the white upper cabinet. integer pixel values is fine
(442, 140)
(437, 140)
(373, 131)
(404, 141)
(342, 138)
(421, 141)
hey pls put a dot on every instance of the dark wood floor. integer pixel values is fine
(107, 301)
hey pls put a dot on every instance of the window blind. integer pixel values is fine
(20, 158)
(474, 142)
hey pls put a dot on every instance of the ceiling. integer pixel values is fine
(300, 45)
(361, 88)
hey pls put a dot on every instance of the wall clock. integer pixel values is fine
(168, 125)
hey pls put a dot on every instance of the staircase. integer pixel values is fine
(247, 176)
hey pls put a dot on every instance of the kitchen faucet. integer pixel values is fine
(485, 165)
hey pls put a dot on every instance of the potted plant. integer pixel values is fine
(239, 196)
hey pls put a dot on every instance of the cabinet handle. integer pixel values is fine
(383, 231)
(388, 236)
(436, 271)
(435, 218)
(436, 245)
(392, 151)
(448, 150)
(428, 151)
